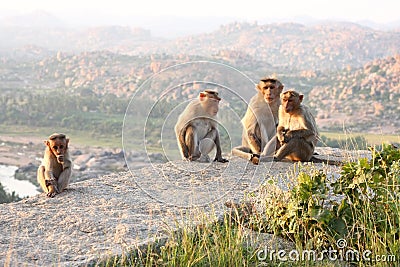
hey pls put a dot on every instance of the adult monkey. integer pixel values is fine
(297, 131)
(54, 173)
(259, 127)
(197, 129)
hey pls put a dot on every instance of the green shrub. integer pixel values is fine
(371, 203)
(363, 209)
(7, 198)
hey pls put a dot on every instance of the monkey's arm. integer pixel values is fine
(49, 177)
(218, 156)
(48, 163)
(253, 140)
(280, 133)
(65, 175)
(48, 174)
(182, 143)
(306, 129)
(302, 133)
(67, 162)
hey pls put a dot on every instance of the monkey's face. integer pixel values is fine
(210, 103)
(270, 91)
(58, 147)
(211, 106)
(290, 102)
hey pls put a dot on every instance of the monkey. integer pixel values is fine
(297, 131)
(196, 129)
(260, 120)
(54, 173)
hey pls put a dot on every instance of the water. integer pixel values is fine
(10, 184)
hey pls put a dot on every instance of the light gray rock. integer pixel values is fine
(113, 214)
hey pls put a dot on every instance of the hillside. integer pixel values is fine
(87, 76)
(99, 85)
(366, 98)
(291, 46)
(113, 214)
(286, 46)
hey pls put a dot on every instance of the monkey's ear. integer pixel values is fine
(47, 143)
(66, 143)
(258, 87)
(202, 96)
(301, 97)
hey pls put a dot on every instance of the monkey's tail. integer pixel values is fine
(326, 161)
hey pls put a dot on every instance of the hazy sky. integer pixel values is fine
(381, 11)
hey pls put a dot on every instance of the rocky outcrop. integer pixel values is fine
(114, 214)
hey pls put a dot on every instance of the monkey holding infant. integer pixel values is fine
(297, 131)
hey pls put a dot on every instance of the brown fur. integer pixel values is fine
(54, 173)
(197, 129)
(259, 122)
(297, 131)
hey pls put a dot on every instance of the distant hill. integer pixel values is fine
(349, 73)
(328, 46)
(37, 19)
(367, 98)
(74, 40)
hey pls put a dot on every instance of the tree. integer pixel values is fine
(7, 198)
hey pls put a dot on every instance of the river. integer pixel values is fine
(10, 184)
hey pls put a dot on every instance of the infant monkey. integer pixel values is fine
(54, 173)
(297, 131)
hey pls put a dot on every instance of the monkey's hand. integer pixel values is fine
(52, 187)
(255, 142)
(255, 159)
(66, 164)
(281, 138)
(194, 157)
(281, 134)
(60, 158)
(185, 153)
(288, 136)
(221, 159)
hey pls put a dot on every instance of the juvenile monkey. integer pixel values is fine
(55, 171)
(297, 131)
(196, 129)
(259, 122)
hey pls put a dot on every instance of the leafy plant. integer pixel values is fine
(304, 215)
(371, 203)
(364, 208)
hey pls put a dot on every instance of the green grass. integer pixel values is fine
(210, 243)
(372, 139)
(77, 137)
(366, 217)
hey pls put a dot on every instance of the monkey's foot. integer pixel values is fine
(255, 159)
(51, 194)
(222, 160)
(194, 157)
(52, 187)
